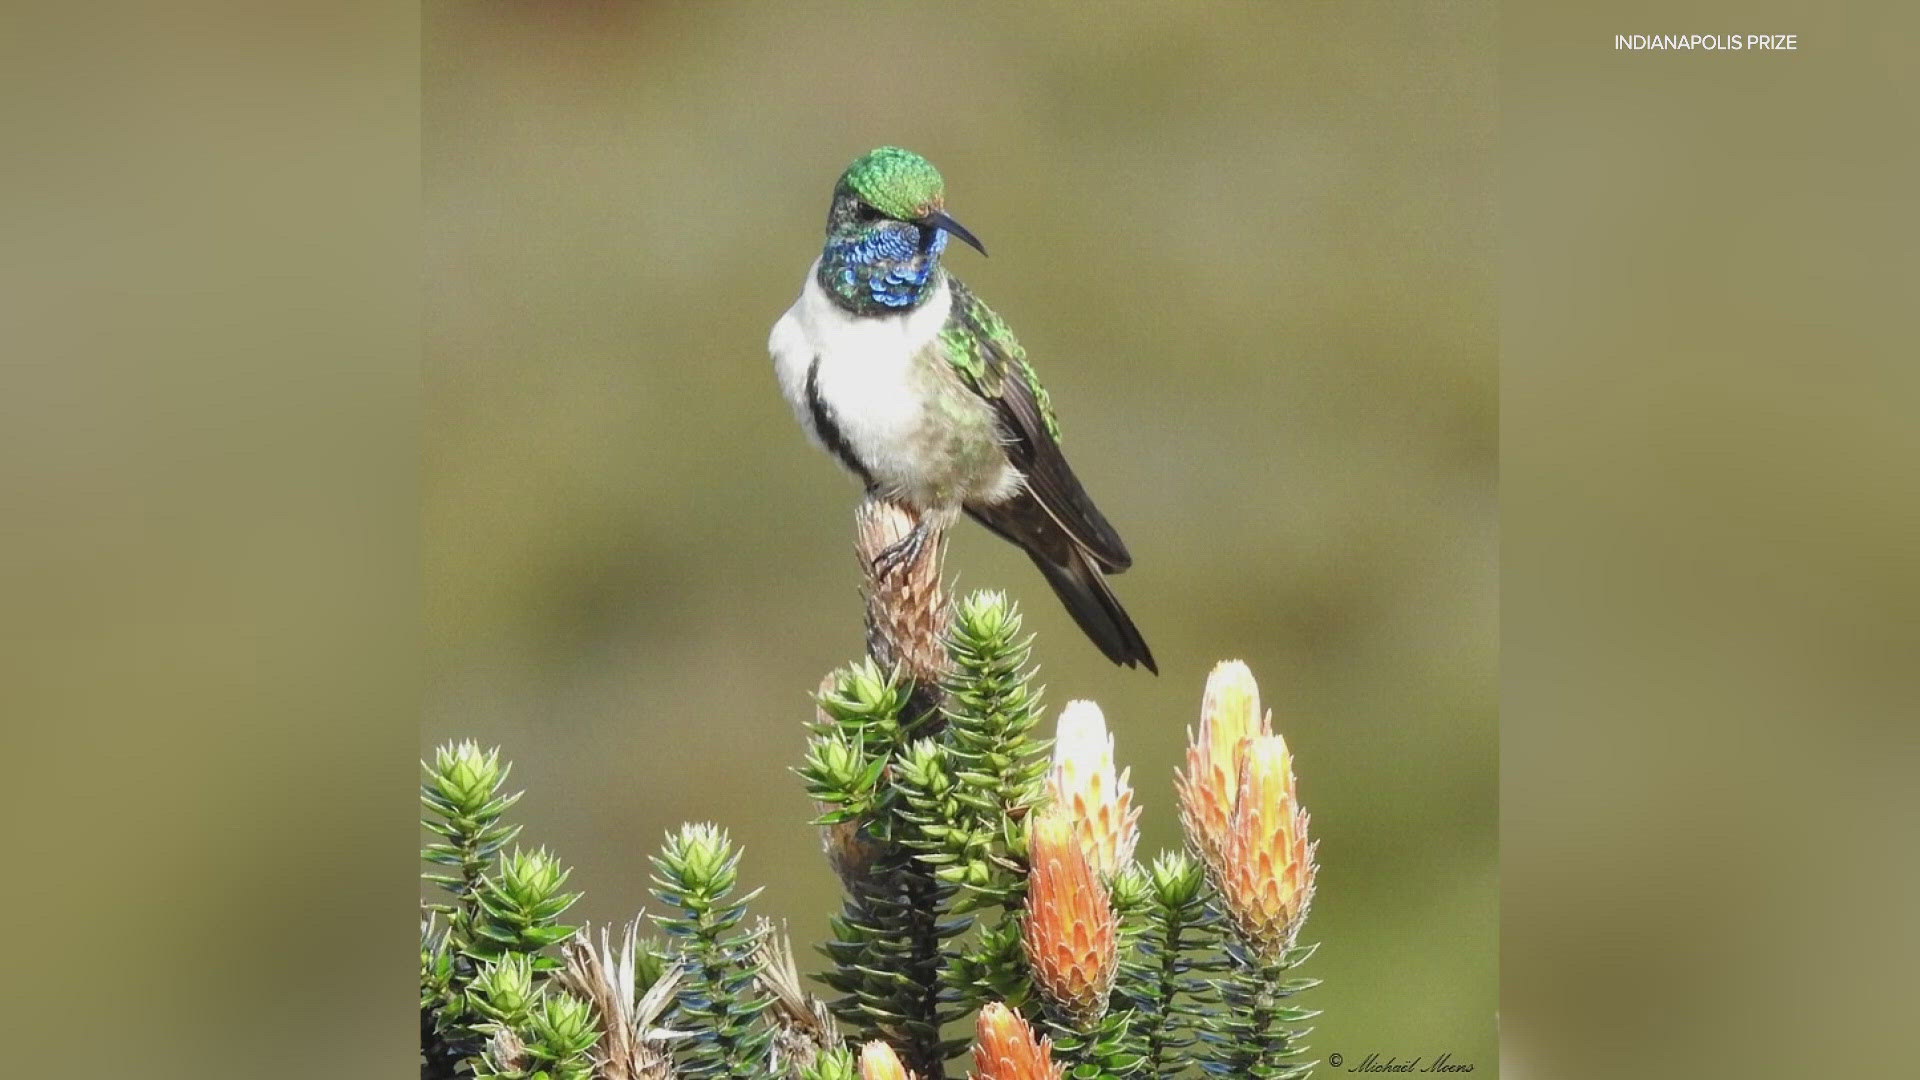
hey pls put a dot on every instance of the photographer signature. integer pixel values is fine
(1372, 1064)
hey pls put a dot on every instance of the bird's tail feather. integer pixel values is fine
(1092, 604)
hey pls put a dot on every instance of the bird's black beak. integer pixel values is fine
(939, 220)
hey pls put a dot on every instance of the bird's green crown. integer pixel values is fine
(899, 183)
(886, 229)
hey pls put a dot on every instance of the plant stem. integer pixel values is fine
(927, 1055)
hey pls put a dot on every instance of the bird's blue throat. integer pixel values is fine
(882, 271)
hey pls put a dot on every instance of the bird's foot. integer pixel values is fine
(905, 551)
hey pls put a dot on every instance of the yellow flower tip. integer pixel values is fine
(1230, 708)
(879, 1062)
(1229, 716)
(1267, 877)
(1098, 801)
(1051, 831)
(1004, 1048)
(1070, 932)
(1080, 734)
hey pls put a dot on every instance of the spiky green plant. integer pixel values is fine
(890, 936)
(465, 808)
(504, 991)
(927, 765)
(1253, 1034)
(992, 710)
(1165, 975)
(520, 905)
(1105, 1050)
(695, 874)
(832, 1065)
(551, 1039)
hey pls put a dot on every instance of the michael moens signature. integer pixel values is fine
(1372, 1064)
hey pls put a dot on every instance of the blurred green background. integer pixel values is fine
(1251, 251)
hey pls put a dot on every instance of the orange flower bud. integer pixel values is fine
(1070, 931)
(1229, 716)
(1098, 802)
(1004, 1048)
(878, 1062)
(1267, 881)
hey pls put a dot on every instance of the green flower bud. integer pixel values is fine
(518, 906)
(564, 1026)
(698, 861)
(503, 990)
(986, 617)
(832, 1065)
(1176, 879)
(467, 777)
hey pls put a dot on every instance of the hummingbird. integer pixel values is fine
(899, 371)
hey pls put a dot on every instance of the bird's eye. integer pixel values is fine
(864, 213)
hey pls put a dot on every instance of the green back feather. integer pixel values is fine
(983, 352)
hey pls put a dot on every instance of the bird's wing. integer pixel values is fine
(1074, 575)
(985, 355)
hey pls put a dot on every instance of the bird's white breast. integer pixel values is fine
(869, 376)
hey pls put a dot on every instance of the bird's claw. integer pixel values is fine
(902, 552)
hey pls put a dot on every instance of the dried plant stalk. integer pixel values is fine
(631, 1046)
(907, 614)
(804, 1027)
